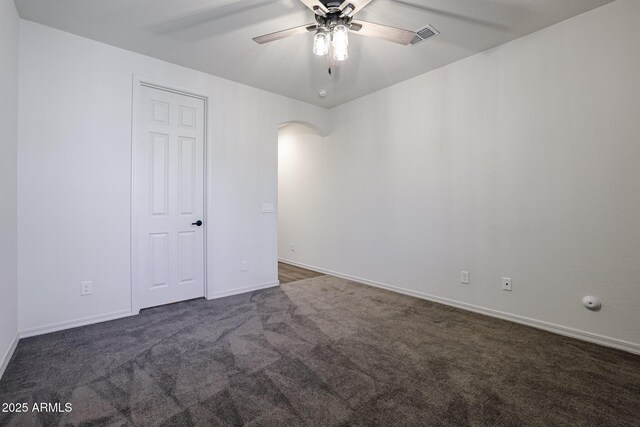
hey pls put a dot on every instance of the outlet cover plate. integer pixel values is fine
(86, 288)
(464, 277)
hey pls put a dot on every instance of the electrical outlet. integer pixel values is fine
(464, 277)
(244, 265)
(86, 288)
(507, 285)
(293, 248)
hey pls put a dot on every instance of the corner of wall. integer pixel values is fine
(9, 58)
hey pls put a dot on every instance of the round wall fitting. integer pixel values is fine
(592, 303)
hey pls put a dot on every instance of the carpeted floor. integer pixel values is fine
(324, 352)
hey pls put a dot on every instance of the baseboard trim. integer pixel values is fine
(535, 323)
(9, 353)
(244, 290)
(54, 327)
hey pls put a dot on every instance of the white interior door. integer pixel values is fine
(170, 193)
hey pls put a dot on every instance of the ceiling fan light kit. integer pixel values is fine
(321, 43)
(334, 20)
(339, 41)
(340, 35)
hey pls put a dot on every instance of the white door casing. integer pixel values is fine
(168, 263)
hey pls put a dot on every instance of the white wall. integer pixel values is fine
(520, 162)
(74, 173)
(8, 172)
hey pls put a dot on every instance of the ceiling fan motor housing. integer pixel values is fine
(331, 9)
(331, 20)
(332, 5)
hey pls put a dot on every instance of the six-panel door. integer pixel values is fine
(170, 197)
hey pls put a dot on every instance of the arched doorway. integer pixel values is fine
(297, 143)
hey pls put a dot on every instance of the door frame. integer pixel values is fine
(138, 83)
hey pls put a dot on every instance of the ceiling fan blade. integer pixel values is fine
(392, 34)
(316, 6)
(351, 7)
(285, 33)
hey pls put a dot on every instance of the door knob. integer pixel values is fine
(198, 223)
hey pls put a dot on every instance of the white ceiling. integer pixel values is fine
(214, 36)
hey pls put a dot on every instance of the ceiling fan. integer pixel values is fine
(334, 20)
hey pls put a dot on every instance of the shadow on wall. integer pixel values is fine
(293, 140)
(303, 128)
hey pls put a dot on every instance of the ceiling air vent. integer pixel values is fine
(424, 33)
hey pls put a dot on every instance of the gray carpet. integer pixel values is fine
(322, 352)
